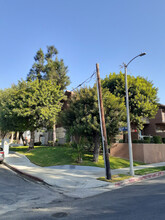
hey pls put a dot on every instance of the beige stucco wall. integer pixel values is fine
(154, 153)
(147, 153)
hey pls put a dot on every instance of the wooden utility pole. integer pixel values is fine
(102, 124)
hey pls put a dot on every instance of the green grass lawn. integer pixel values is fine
(52, 156)
(149, 170)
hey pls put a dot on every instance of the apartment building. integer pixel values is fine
(156, 126)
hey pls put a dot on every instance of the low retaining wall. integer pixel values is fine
(147, 153)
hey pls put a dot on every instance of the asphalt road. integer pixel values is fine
(27, 200)
(19, 196)
(142, 201)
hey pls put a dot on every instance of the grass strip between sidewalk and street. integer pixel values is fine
(149, 170)
(141, 172)
(115, 178)
(64, 155)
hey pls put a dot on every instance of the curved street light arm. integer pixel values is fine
(140, 55)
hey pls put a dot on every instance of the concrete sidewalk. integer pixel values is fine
(74, 181)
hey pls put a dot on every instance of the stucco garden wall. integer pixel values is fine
(147, 153)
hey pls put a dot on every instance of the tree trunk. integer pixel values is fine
(21, 136)
(54, 134)
(31, 145)
(96, 148)
(12, 137)
(3, 134)
(17, 137)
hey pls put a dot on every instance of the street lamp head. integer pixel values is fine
(142, 54)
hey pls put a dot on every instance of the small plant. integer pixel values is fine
(37, 143)
(78, 152)
(135, 141)
(50, 143)
(147, 140)
(79, 148)
(121, 141)
(163, 140)
(157, 139)
(57, 140)
(68, 136)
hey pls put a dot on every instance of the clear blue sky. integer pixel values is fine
(85, 32)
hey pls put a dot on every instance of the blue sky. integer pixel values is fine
(85, 32)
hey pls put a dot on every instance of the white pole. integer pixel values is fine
(128, 125)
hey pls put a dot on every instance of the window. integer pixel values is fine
(160, 129)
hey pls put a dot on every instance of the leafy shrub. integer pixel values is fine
(163, 140)
(121, 141)
(141, 141)
(147, 140)
(37, 143)
(68, 136)
(79, 149)
(67, 145)
(157, 139)
(50, 143)
(138, 141)
(135, 141)
(57, 140)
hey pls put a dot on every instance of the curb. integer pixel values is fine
(26, 175)
(140, 178)
(109, 185)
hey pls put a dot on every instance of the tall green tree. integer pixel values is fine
(56, 71)
(142, 96)
(33, 104)
(49, 67)
(37, 70)
(8, 119)
(82, 119)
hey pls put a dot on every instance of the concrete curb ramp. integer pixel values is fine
(75, 183)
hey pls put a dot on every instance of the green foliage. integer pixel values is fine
(50, 143)
(37, 70)
(121, 141)
(154, 139)
(52, 156)
(30, 105)
(115, 178)
(79, 148)
(142, 96)
(82, 116)
(157, 139)
(55, 69)
(135, 141)
(37, 143)
(9, 120)
(68, 136)
(47, 68)
(149, 170)
(147, 139)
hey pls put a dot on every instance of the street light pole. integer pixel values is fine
(128, 115)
